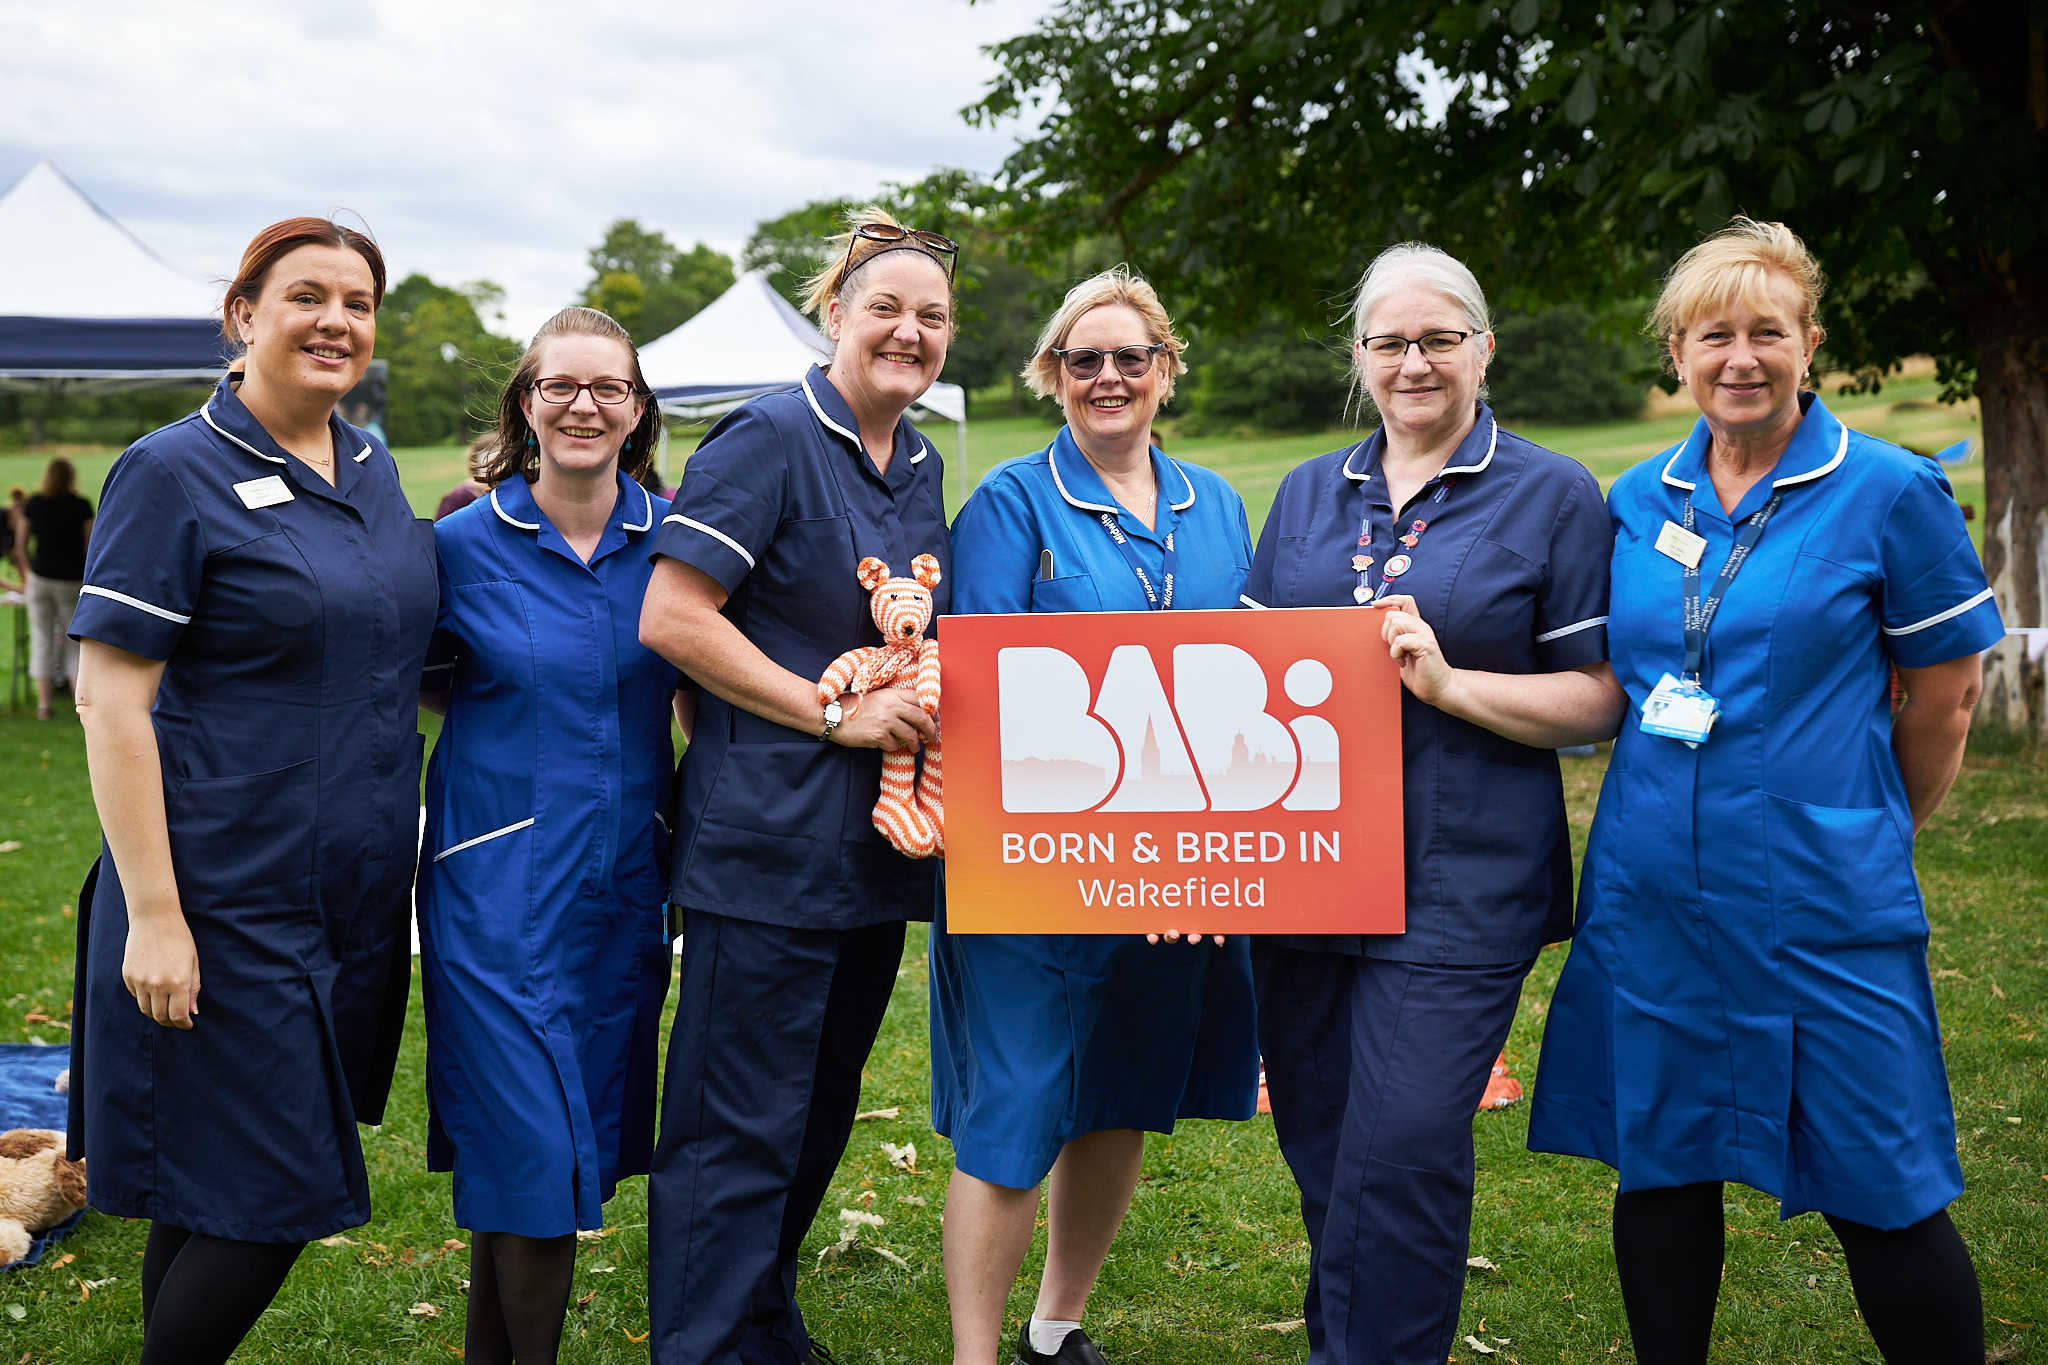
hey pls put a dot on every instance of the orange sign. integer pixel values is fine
(1207, 771)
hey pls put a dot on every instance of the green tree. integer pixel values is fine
(649, 284)
(1554, 366)
(793, 248)
(1258, 152)
(446, 367)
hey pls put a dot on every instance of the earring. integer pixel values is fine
(627, 448)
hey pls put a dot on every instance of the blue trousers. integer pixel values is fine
(772, 1028)
(1374, 1070)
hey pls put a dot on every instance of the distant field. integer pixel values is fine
(1906, 412)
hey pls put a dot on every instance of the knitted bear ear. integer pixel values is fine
(926, 568)
(873, 573)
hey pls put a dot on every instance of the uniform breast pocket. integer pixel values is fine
(805, 583)
(1075, 592)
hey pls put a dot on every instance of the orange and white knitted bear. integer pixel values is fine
(909, 812)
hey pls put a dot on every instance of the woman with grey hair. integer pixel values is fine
(1489, 556)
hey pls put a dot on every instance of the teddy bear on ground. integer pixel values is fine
(39, 1188)
(909, 812)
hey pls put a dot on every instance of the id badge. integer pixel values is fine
(1680, 710)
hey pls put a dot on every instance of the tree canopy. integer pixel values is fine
(1255, 154)
(648, 284)
(446, 366)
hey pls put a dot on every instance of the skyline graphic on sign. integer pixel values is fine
(1214, 746)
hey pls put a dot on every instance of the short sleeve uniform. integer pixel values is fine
(547, 839)
(780, 504)
(1748, 996)
(1511, 573)
(293, 618)
(1038, 1039)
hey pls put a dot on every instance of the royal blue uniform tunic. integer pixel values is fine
(546, 847)
(1038, 1039)
(1747, 997)
(1378, 1046)
(293, 618)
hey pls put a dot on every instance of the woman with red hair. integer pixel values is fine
(256, 608)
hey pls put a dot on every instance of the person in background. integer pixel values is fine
(479, 459)
(1747, 997)
(792, 905)
(10, 542)
(257, 604)
(541, 947)
(51, 531)
(1491, 555)
(1053, 1054)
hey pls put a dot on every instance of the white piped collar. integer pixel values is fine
(1696, 441)
(507, 517)
(207, 415)
(923, 446)
(631, 486)
(1053, 463)
(1492, 444)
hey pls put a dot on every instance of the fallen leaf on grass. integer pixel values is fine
(584, 1302)
(1999, 1355)
(903, 1158)
(99, 1284)
(635, 1340)
(66, 1259)
(921, 1201)
(583, 1235)
(861, 1218)
(1997, 992)
(602, 1269)
(10, 846)
(889, 1113)
(1476, 1344)
(1480, 1263)
(424, 1310)
(867, 1199)
(891, 1257)
(453, 1244)
(16, 1311)
(1287, 1326)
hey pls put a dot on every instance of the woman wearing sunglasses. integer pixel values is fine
(792, 906)
(1054, 1054)
(546, 843)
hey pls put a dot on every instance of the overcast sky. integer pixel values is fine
(489, 140)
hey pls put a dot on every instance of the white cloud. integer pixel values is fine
(489, 140)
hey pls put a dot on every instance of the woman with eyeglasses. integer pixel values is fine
(1053, 1055)
(791, 905)
(541, 945)
(1490, 555)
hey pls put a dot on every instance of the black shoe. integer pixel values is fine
(1077, 1349)
(818, 1355)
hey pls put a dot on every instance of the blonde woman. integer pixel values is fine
(791, 905)
(1053, 1054)
(1748, 997)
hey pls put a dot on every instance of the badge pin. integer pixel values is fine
(1417, 527)
(1361, 595)
(1361, 562)
(1397, 566)
(1409, 540)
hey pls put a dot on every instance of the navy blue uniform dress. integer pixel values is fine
(793, 906)
(1378, 1046)
(541, 948)
(293, 618)
(1038, 1039)
(1747, 997)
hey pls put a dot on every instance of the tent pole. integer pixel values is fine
(661, 452)
(961, 427)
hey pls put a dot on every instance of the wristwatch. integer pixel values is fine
(833, 715)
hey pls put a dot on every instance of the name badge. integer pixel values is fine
(1675, 542)
(263, 492)
(1680, 710)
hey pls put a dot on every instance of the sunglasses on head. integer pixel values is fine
(1132, 362)
(889, 237)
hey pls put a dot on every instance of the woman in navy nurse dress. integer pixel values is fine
(1052, 1054)
(258, 790)
(1747, 996)
(541, 949)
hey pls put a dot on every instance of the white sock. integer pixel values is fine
(1047, 1336)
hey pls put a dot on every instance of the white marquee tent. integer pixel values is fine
(749, 341)
(85, 306)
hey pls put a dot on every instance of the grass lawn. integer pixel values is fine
(1211, 1262)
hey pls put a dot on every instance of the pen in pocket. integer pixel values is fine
(1045, 564)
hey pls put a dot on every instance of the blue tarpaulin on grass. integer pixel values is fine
(29, 1099)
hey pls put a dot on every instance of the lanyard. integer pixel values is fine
(1700, 614)
(1396, 565)
(1161, 598)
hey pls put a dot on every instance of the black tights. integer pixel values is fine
(518, 1296)
(1916, 1286)
(201, 1294)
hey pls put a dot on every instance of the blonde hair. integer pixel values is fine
(1116, 285)
(1736, 263)
(848, 260)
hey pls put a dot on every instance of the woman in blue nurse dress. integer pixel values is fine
(543, 871)
(1747, 996)
(1051, 1054)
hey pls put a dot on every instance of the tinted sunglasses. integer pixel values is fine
(890, 237)
(1132, 362)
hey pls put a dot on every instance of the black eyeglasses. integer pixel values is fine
(1392, 350)
(1085, 362)
(890, 236)
(610, 392)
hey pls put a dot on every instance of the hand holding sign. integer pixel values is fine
(1413, 645)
